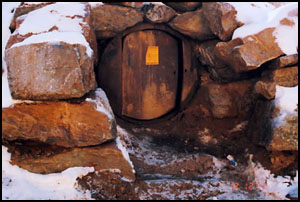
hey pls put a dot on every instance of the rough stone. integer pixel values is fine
(285, 137)
(226, 99)
(106, 157)
(250, 52)
(108, 20)
(287, 77)
(60, 123)
(221, 18)
(159, 13)
(46, 71)
(184, 6)
(264, 132)
(266, 89)
(218, 70)
(192, 24)
(283, 61)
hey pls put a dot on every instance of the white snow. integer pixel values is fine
(19, 184)
(258, 16)
(124, 152)
(277, 187)
(7, 16)
(286, 99)
(96, 4)
(102, 103)
(55, 36)
(58, 14)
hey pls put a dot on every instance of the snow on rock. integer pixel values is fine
(58, 14)
(102, 103)
(122, 146)
(286, 100)
(36, 186)
(67, 19)
(54, 37)
(96, 4)
(258, 16)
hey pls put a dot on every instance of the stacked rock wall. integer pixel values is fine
(237, 80)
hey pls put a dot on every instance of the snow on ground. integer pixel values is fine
(19, 184)
(286, 99)
(258, 16)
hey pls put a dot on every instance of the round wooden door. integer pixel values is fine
(149, 74)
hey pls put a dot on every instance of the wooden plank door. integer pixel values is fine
(149, 74)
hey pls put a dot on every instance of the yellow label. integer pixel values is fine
(152, 55)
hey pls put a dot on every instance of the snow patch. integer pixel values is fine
(102, 103)
(123, 149)
(19, 184)
(56, 37)
(286, 99)
(258, 16)
(96, 4)
(57, 14)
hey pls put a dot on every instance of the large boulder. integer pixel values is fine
(56, 17)
(222, 19)
(107, 157)
(219, 71)
(184, 6)
(287, 77)
(159, 13)
(192, 24)
(266, 86)
(254, 43)
(61, 123)
(227, 100)
(283, 61)
(249, 53)
(109, 20)
(54, 60)
(49, 71)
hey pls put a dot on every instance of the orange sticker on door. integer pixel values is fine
(152, 55)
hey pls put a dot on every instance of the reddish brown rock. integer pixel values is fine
(108, 20)
(266, 89)
(287, 77)
(49, 71)
(250, 52)
(283, 61)
(60, 123)
(285, 137)
(221, 18)
(159, 13)
(192, 24)
(184, 6)
(106, 157)
(218, 70)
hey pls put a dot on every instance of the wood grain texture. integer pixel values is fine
(149, 91)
